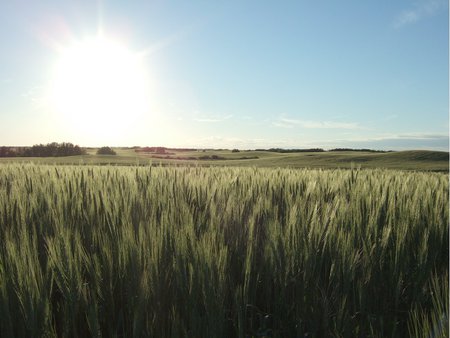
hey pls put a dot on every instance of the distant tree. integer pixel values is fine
(106, 151)
(160, 150)
(53, 150)
(235, 151)
(362, 150)
(8, 152)
(280, 150)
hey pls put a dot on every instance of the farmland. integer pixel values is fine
(404, 160)
(222, 251)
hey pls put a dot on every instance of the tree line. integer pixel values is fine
(53, 149)
(280, 150)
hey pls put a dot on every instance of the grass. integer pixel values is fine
(222, 252)
(403, 160)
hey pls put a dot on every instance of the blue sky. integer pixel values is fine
(246, 74)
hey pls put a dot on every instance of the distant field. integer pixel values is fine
(404, 160)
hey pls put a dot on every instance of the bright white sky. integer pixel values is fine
(245, 74)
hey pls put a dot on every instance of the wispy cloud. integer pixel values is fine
(236, 142)
(390, 117)
(245, 118)
(421, 10)
(213, 119)
(36, 97)
(290, 123)
(401, 141)
(415, 136)
(400, 136)
(169, 40)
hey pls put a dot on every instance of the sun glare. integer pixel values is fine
(99, 86)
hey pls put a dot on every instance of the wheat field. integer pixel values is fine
(222, 252)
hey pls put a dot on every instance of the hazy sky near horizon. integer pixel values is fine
(245, 74)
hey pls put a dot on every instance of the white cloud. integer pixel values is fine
(421, 9)
(282, 125)
(402, 141)
(213, 119)
(400, 136)
(290, 123)
(235, 142)
(416, 136)
(407, 17)
(246, 118)
(36, 97)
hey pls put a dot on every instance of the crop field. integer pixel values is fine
(424, 160)
(222, 252)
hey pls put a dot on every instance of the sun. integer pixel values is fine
(99, 86)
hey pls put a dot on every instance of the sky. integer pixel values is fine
(226, 74)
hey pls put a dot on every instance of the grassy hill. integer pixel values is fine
(406, 160)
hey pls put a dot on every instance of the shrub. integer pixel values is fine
(106, 151)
